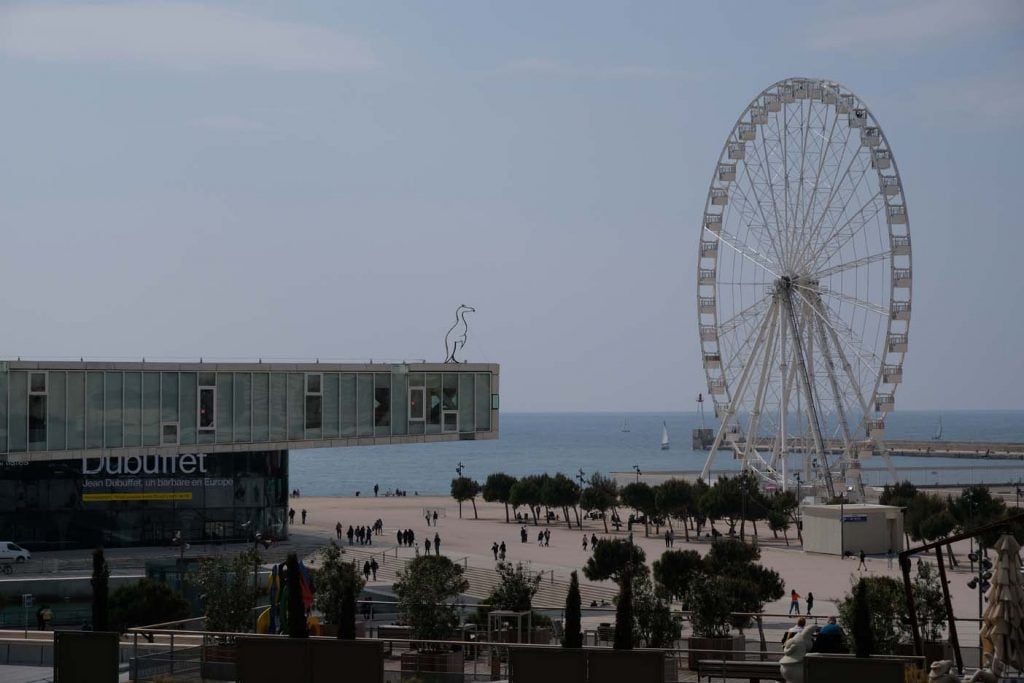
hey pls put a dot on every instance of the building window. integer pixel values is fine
(37, 408)
(314, 400)
(382, 407)
(450, 404)
(417, 404)
(434, 403)
(207, 402)
(169, 434)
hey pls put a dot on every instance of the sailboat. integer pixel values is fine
(625, 424)
(938, 432)
(664, 436)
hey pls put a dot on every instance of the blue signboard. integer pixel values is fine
(855, 518)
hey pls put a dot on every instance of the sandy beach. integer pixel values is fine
(468, 541)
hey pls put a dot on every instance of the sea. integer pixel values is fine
(534, 443)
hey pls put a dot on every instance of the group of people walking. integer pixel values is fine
(794, 602)
(499, 551)
(363, 535)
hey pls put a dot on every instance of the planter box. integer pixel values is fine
(849, 669)
(733, 648)
(934, 651)
(433, 662)
(218, 662)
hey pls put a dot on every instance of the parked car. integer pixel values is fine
(12, 552)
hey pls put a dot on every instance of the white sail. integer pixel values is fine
(625, 424)
(664, 436)
(938, 432)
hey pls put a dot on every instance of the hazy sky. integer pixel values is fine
(301, 179)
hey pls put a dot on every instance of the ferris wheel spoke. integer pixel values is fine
(739, 318)
(746, 252)
(764, 165)
(822, 155)
(816, 255)
(837, 183)
(849, 338)
(759, 205)
(866, 305)
(850, 265)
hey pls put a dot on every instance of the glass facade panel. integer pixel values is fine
(132, 409)
(187, 396)
(296, 426)
(150, 409)
(4, 381)
(225, 399)
(261, 406)
(382, 404)
(347, 403)
(37, 423)
(330, 425)
(169, 397)
(483, 402)
(113, 409)
(466, 422)
(364, 405)
(278, 406)
(242, 422)
(56, 428)
(94, 410)
(433, 403)
(76, 414)
(399, 403)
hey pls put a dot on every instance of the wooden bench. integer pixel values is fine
(726, 669)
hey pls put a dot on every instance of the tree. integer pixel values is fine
(929, 601)
(619, 561)
(782, 506)
(226, 585)
(976, 507)
(750, 584)
(640, 496)
(652, 623)
(464, 488)
(860, 622)
(899, 494)
(338, 586)
(526, 492)
(573, 610)
(674, 499)
(601, 494)
(100, 590)
(425, 589)
(676, 570)
(146, 602)
(516, 587)
(560, 491)
(710, 601)
(498, 489)
(882, 598)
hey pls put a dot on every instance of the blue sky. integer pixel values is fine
(318, 179)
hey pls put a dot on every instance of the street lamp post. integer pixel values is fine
(636, 467)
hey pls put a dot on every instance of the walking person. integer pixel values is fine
(350, 533)
(437, 544)
(540, 538)
(337, 530)
(435, 517)
(547, 537)
(291, 515)
(668, 538)
(523, 535)
(427, 517)
(584, 543)
(376, 488)
(369, 535)
(810, 602)
(501, 551)
(862, 564)
(366, 570)
(426, 545)
(374, 567)
(794, 602)
(593, 541)
(494, 549)
(303, 515)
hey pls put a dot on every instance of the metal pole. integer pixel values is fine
(908, 588)
(954, 640)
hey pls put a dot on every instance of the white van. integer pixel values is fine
(12, 552)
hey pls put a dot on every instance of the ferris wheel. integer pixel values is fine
(804, 287)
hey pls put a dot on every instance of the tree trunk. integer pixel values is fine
(764, 643)
(754, 522)
(686, 528)
(460, 509)
(604, 518)
(785, 535)
(579, 519)
(506, 512)
(473, 500)
(533, 511)
(668, 518)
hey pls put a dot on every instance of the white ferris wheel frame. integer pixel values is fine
(796, 323)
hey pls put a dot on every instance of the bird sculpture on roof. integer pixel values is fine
(455, 340)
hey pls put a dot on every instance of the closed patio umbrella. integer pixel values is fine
(1002, 630)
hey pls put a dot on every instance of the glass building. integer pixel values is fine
(130, 453)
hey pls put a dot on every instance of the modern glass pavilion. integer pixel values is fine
(130, 453)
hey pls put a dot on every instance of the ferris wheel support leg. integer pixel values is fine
(751, 451)
(740, 392)
(878, 442)
(830, 369)
(812, 412)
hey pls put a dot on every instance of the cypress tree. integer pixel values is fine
(623, 639)
(296, 611)
(863, 636)
(573, 634)
(347, 620)
(100, 590)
